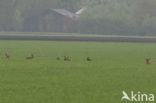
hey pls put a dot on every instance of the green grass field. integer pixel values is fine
(115, 67)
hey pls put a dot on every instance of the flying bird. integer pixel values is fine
(68, 14)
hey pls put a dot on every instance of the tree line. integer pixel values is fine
(111, 17)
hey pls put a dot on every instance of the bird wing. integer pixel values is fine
(80, 11)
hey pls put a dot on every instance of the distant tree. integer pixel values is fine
(113, 18)
(141, 8)
(143, 12)
(6, 14)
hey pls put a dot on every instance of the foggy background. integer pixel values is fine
(108, 17)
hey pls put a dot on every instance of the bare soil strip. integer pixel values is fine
(83, 38)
